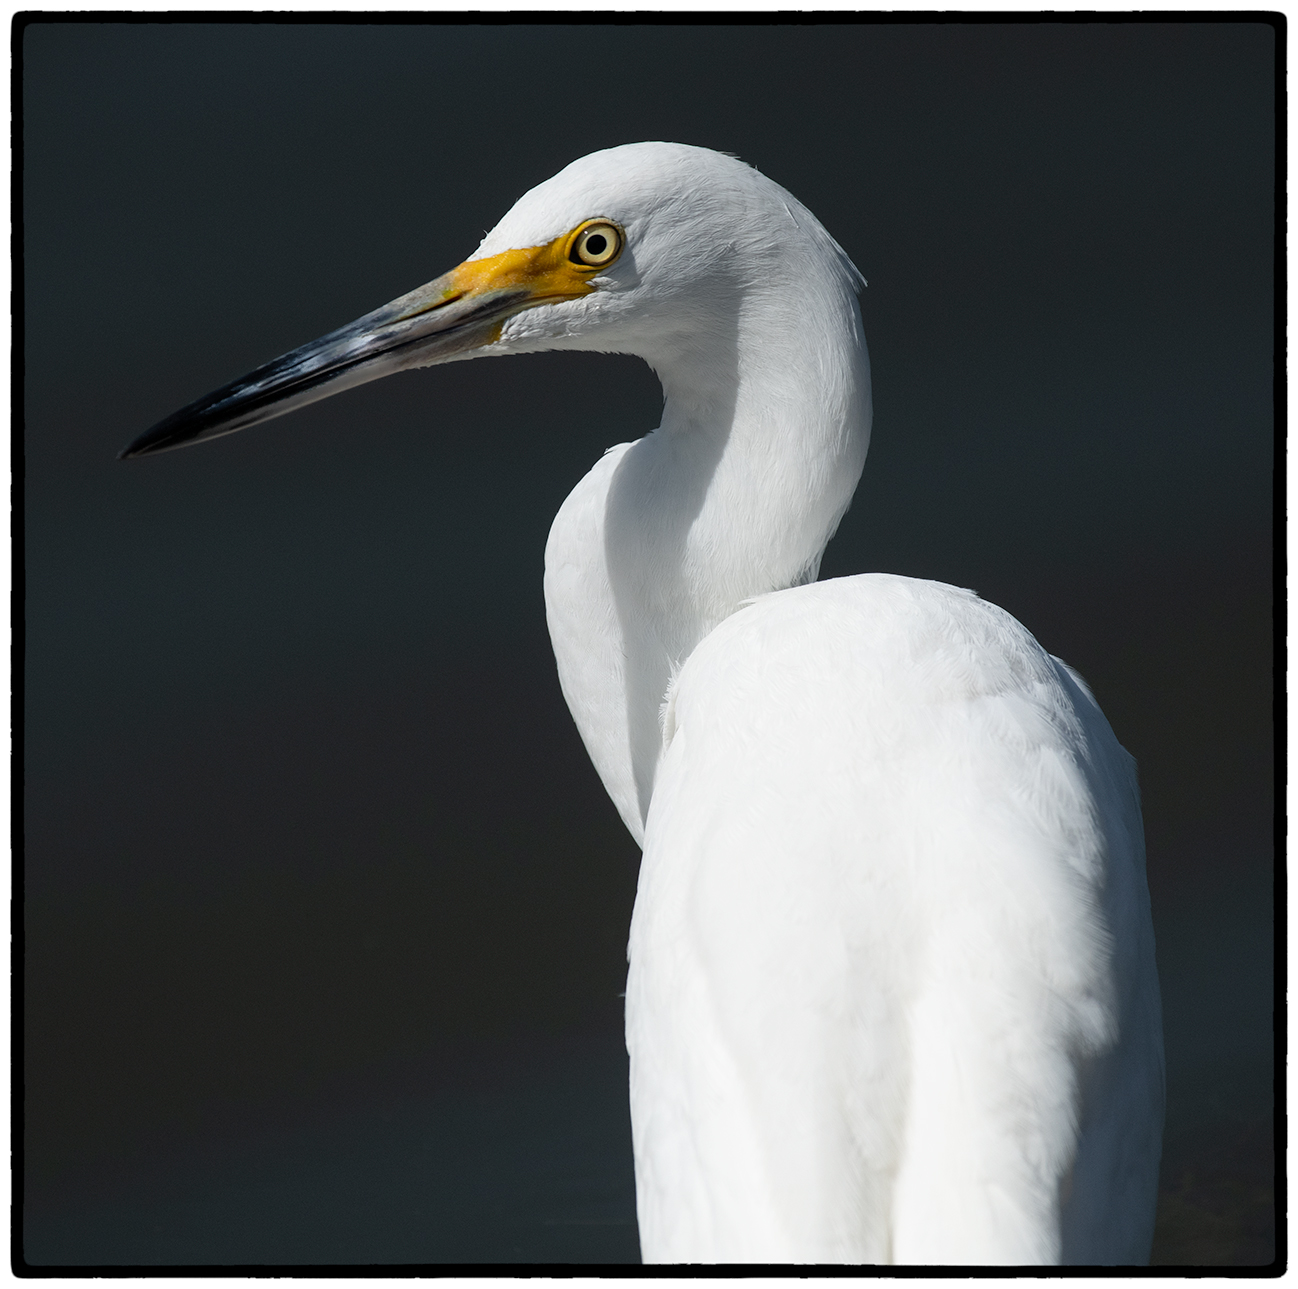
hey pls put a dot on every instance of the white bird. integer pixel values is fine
(892, 994)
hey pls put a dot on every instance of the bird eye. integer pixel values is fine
(597, 244)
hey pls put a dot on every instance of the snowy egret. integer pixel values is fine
(892, 994)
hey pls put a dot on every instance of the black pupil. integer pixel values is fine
(596, 244)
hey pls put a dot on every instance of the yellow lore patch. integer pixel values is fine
(532, 275)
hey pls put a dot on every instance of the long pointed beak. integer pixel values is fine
(459, 311)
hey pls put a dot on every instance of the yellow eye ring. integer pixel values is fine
(597, 244)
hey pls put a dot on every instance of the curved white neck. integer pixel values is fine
(764, 432)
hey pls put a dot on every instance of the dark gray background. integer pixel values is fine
(326, 910)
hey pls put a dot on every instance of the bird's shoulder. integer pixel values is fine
(891, 662)
(936, 640)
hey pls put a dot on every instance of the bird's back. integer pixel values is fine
(892, 993)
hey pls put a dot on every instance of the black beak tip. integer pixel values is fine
(136, 448)
(175, 432)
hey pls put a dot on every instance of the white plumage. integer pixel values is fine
(892, 995)
(891, 924)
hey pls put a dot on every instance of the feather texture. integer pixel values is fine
(892, 994)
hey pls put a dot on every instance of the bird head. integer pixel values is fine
(640, 249)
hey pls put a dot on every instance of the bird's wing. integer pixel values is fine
(871, 954)
(1108, 1218)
